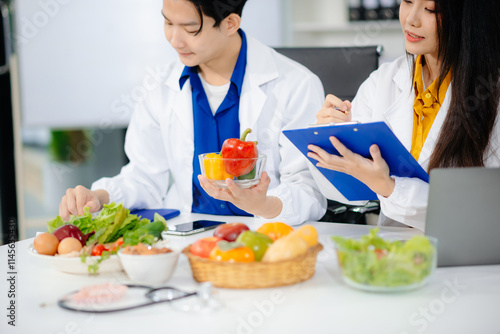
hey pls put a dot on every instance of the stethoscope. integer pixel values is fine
(154, 295)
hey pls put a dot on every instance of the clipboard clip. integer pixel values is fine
(332, 123)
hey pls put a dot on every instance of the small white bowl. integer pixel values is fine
(149, 269)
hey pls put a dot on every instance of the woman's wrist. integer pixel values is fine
(388, 187)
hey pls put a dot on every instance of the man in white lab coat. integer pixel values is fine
(224, 83)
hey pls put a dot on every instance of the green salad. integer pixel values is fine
(371, 260)
(112, 223)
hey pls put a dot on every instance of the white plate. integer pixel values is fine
(74, 265)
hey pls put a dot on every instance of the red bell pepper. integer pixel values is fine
(244, 152)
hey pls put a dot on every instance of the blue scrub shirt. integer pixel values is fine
(210, 131)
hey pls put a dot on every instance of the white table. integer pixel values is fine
(456, 300)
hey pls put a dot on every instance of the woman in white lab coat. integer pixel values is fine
(276, 94)
(456, 125)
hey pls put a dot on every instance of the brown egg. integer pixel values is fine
(68, 245)
(46, 244)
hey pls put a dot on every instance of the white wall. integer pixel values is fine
(86, 63)
(325, 23)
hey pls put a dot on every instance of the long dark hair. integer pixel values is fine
(469, 47)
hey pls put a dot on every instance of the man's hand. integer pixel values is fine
(253, 200)
(76, 199)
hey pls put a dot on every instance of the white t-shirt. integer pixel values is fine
(215, 94)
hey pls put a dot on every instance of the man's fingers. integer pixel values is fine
(71, 202)
(81, 197)
(234, 190)
(212, 190)
(264, 182)
(93, 205)
(63, 209)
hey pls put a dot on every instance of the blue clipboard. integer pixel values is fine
(150, 213)
(358, 138)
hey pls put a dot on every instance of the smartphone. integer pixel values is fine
(193, 227)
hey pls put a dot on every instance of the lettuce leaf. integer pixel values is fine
(113, 222)
(371, 260)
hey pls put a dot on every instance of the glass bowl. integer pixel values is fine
(214, 168)
(387, 265)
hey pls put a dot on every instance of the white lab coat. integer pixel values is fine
(277, 94)
(387, 95)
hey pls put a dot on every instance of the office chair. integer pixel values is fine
(341, 70)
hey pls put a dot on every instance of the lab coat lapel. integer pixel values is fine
(260, 70)
(400, 114)
(180, 125)
(181, 103)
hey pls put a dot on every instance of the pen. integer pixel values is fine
(342, 111)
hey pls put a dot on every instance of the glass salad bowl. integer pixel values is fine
(371, 263)
(216, 168)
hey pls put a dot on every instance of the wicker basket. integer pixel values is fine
(253, 275)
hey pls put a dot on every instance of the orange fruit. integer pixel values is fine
(275, 230)
(309, 234)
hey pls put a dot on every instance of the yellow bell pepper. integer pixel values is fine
(214, 167)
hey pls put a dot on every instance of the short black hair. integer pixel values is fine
(217, 9)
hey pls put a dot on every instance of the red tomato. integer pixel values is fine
(203, 247)
(230, 231)
(381, 253)
(98, 249)
(116, 245)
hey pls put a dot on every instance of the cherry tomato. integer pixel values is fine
(98, 249)
(116, 245)
(381, 253)
(230, 231)
(238, 254)
(203, 247)
(275, 230)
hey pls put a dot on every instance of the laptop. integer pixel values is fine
(464, 215)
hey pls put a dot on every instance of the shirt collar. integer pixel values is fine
(418, 83)
(186, 73)
(239, 68)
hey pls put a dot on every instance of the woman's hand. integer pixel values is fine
(334, 110)
(78, 198)
(253, 200)
(374, 173)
